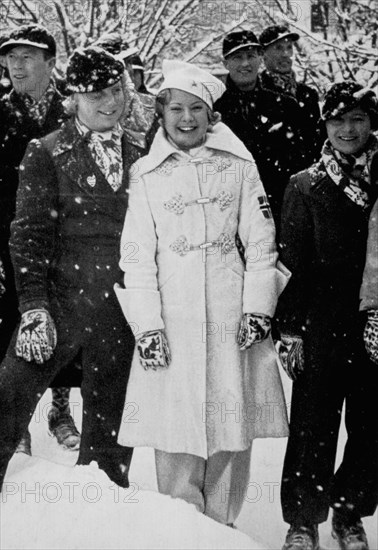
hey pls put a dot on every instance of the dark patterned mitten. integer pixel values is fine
(371, 335)
(254, 328)
(36, 339)
(154, 350)
(291, 355)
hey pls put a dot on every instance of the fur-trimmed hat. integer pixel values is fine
(92, 69)
(190, 78)
(30, 35)
(272, 34)
(239, 40)
(345, 96)
(113, 43)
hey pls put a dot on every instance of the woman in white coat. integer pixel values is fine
(204, 380)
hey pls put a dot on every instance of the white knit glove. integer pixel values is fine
(36, 339)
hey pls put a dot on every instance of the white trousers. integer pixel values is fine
(216, 486)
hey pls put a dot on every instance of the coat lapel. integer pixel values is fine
(72, 155)
(221, 138)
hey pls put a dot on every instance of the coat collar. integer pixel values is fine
(233, 89)
(221, 138)
(267, 85)
(72, 153)
(14, 104)
(68, 138)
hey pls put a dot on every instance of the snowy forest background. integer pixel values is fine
(339, 37)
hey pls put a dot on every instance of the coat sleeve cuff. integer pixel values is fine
(141, 308)
(27, 305)
(263, 288)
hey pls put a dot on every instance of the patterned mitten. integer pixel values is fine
(291, 355)
(2, 278)
(36, 339)
(254, 328)
(371, 335)
(154, 350)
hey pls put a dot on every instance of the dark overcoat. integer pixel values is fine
(323, 243)
(17, 128)
(279, 130)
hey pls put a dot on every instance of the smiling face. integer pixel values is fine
(278, 57)
(349, 132)
(185, 119)
(29, 70)
(243, 66)
(100, 111)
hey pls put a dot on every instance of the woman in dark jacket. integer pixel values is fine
(323, 242)
(65, 246)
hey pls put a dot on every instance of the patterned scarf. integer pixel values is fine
(106, 149)
(351, 172)
(37, 110)
(285, 83)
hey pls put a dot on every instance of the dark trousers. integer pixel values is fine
(336, 370)
(95, 327)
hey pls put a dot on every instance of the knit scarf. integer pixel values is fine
(37, 110)
(106, 149)
(351, 172)
(283, 82)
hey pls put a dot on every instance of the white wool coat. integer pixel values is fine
(213, 397)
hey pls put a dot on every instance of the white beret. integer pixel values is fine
(189, 78)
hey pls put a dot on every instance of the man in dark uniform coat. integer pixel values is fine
(277, 124)
(18, 125)
(31, 110)
(65, 247)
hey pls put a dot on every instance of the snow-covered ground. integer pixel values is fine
(49, 504)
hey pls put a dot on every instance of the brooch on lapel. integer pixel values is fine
(91, 180)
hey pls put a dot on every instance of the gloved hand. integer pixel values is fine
(154, 350)
(36, 339)
(290, 350)
(371, 335)
(2, 278)
(254, 328)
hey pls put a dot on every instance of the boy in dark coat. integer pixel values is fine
(65, 246)
(324, 231)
